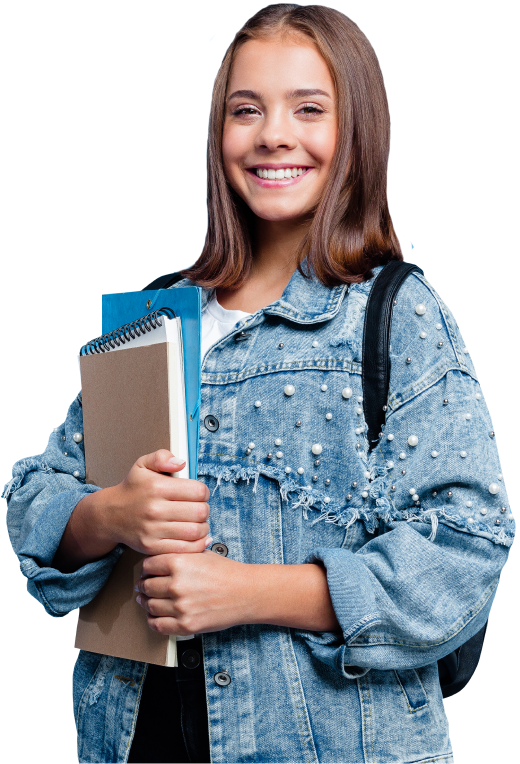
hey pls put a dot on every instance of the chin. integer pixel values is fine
(279, 213)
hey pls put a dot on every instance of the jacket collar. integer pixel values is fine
(304, 300)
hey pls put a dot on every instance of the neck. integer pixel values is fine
(276, 246)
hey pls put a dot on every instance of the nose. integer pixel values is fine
(276, 133)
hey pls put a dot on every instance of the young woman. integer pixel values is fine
(339, 577)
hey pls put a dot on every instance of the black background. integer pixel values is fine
(105, 176)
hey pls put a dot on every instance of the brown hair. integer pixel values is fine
(351, 231)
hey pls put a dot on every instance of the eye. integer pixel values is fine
(313, 110)
(242, 110)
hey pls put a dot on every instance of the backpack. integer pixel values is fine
(457, 668)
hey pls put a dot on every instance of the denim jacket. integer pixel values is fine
(413, 536)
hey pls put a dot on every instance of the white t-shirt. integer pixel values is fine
(216, 322)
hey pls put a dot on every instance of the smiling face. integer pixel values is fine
(280, 127)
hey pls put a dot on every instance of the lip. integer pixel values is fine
(275, 183)
(270, 166)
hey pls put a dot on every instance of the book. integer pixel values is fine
(134, 402)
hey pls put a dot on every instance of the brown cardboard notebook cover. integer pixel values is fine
(126, 413)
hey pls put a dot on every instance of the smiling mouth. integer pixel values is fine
(282, 173)
(280, 183)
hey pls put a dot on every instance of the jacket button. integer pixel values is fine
(211, 423)
(220, 549)
(241, 336)
(222, 678)
(190, 659)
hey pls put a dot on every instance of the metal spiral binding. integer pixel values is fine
(127, 332)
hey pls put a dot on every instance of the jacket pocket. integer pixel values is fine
(412, 688)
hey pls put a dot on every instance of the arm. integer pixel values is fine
(41, 496)
(274, 595)
(83, 539)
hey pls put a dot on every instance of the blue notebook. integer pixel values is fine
(122, 308)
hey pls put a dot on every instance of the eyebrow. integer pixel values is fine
(302, 93)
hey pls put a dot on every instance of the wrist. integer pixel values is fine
(296, 596)
(86, 537)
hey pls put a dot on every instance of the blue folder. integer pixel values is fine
(120, 309)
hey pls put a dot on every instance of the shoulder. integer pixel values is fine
(425, 340)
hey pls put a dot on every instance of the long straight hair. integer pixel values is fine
(351, 230)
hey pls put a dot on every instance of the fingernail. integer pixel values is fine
(209, 541)
(136, 587)
(138, 599)
(177, 461)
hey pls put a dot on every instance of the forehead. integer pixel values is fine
(279, 65)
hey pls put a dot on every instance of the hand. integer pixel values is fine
(154, 513)
(192, 594)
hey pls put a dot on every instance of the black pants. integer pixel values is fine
(172, 724)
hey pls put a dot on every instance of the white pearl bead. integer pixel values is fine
(364, 494)
(390, 436)
(435, 454)
(75, 473)
(423, 335)
(478, 396)
(360, 399)
(300, 470)
(289, 390)
(493, 488)
(500, 476)
(420, 309)
(258, 404)
(467, 416)
(323, 388)
(77, 437)
(390, 465)
(470, 520)
(359, 430)
(469, 503)
(412, 491)
(438, 326)
(347, 392)
(483, 511)
(326, 499)
(413, 440)
(465, 350)
(251, 445)
(315, 343)
(463, 454)
(278, 442)
(279, 454)
(328, 416)
(55, 429)
(316, 449)
(367, 474)
(415, 497)
(287, 470)
(402, 455)
(359, 411)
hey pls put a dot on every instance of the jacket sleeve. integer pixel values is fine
(436, 503)
(42, 495)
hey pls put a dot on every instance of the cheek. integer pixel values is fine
(321, 144)
(233, 149)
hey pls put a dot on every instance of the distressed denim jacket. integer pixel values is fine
(413, 536)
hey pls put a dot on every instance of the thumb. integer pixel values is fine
(161, 461)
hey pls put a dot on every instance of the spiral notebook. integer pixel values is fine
(135, 394)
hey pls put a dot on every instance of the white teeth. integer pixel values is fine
(281, 174)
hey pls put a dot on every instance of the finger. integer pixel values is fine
(155, 608)
(166, 546)
(160, 565)
(161, 461)
(184, 531)
(167, 625)
(184, 490)
(158, 587)
(184, 511)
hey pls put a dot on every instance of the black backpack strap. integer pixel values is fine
(457, 668)
(166, 281)
(376, 344)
